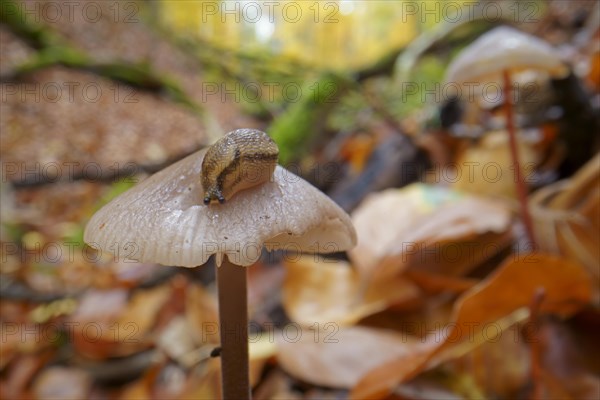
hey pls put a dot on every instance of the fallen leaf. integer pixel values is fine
(357, 150)
(62, 383)
(581, 185)
(487, 167)
(21, 372)
(264, 282)
(276, 385)
(141, 312)
(398, 227)
(260, 350)
(435, 283)
(141, 389)
(563, 371)
(426, 390)
(500, 367)
(320, 291)
(208, 386)
(171, 381)
(106, 324)
(176, 340)
(456, 258)
(566, 218)
(477, 312)
(342, 358)
(379, 382)
(201, 314)
(100, 305)
(26, 338)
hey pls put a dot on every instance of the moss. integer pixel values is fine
(295, 128)
(54, 50)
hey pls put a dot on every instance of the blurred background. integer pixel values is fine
(450, 293)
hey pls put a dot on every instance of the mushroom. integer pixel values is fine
(500, 49)
(496, 55)
(164, 220)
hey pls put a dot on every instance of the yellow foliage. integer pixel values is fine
(327, 34)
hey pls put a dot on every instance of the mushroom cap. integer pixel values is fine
(164, 220)
(504, 48)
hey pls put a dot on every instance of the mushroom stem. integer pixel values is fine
(514, 152)
(233, 317)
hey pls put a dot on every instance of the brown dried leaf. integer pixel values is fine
(566, 218)
(455, 259)
(141, 311)
(435, 283)
(500, 367)
(260, 351)
(395, 226)
(509, 289)
(209, 384)
(150, 138)
(105, 325)
(20, 373)
(264, 282)
(488, 166)
(427, 389)
(380, 381)
(584, 182)
(563, 372)
(201, 315)
(25, 338)
(176, 341)
(357, 150)
(329, 291)
(340, 359)
(62, 383)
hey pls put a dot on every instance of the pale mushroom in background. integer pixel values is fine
(495, 55)
(504, 48)
(164, 220)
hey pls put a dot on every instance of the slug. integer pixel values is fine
(240, 160)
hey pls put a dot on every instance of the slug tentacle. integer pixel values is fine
(240, 160)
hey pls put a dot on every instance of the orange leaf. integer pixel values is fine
(319, 291)
(380, 381)
(510, 288)
(396, 226)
